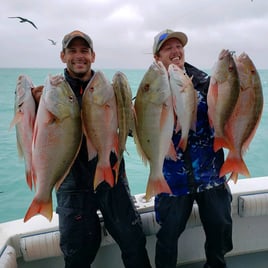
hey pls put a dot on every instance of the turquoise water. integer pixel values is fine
(15, 196)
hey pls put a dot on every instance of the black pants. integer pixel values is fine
(215, 213)
(80, 228)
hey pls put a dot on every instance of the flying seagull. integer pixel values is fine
(24, 20)
(52, 42)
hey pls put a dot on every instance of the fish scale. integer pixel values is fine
(154, 120)
(125, 109)
(242, 124)
(100, 124)
(56, 142)
(185, 103)
(24, 118)
(222, 96)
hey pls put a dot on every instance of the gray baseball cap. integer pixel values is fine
(163, 36)
(74, 34)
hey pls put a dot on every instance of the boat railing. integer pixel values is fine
(38, 239)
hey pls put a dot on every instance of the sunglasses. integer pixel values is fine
(161, 38)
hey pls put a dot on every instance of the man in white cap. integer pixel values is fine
(195, 174)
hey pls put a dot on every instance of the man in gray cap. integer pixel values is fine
(195, 174)
(77, 202)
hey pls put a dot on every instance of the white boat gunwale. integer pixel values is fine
(39, 239)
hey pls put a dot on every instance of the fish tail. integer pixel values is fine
(234, 177)
(103, 174)
(39, 207)
(221, 142)
(235, 165)
(156, 186)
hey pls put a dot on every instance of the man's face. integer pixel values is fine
(78, 58)
(171, 51)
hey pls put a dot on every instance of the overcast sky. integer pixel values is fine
(123, 30)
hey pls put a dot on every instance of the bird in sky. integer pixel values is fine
(24, 20)
(52, 42)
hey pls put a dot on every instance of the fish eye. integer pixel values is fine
(146, 87)
(231, 68)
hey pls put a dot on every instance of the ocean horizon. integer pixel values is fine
(16, 197)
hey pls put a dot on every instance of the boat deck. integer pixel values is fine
(256, 260)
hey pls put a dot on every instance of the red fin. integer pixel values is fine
(234, 177)
(103, 174)
(39, 207)
(172, 152)
(234, 164)
(164, 115)
(183, 144)
(221, 142)
(156, 186)
(17, 118)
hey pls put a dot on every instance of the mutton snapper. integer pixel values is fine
(222, 96)
(185, 102)
(56, 141)
(100, 125)
(154, 122)
(125, 110)
(243, 123)
(24, 117)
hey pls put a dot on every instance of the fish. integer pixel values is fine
(100, 126)
(185, 102)
(222, 96)
(24, 118)
(154, 122)
(125, 110)
(56, 142)
(244, 121)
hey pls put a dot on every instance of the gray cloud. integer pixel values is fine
(123, 31)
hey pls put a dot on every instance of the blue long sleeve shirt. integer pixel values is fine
(196, 169)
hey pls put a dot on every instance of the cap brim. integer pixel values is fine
(182, 37)
(74, 37)
(179, 35)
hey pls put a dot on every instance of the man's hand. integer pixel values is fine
(36, 92)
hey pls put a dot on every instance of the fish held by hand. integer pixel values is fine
(154, 122)
(222, 96)
(100, 125)
(185, 102)
(243, 123)
(56, 142)
(125, 110)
